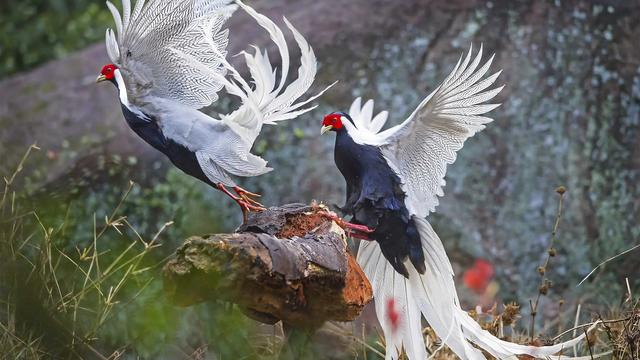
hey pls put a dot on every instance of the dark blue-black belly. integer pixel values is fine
(375, 198)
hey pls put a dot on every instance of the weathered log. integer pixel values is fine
(287, 263)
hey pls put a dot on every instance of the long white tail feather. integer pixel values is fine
(434, 296)
(268, 103)
(276, 36)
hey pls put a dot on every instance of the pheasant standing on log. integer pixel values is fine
(169, 61)
(394, 178)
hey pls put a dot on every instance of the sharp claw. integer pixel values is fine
(240, 191)
(344, 224)
(251, 201)
(248, 206)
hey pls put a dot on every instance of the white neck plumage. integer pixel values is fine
(124, 98)
(122, 89)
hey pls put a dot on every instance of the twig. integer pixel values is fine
(588, 343)
(575, 351)
(576, 327)
(364, 341)
(607, 329)
(606, 261)
(542, 270)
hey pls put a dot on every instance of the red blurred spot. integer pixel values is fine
(52, 155)
(392, 313)
(478, 277)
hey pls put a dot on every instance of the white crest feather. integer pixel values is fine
(112, 46)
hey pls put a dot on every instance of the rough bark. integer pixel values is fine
(287, 263)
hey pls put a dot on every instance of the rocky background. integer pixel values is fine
(570, 116)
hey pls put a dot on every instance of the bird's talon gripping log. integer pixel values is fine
(350, 228)
(248, 197)
(246, 204)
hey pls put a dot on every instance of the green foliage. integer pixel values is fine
(34, 31)
(79, 285)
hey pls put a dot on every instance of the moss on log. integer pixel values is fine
(287, 263)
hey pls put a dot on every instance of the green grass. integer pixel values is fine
(56, 302)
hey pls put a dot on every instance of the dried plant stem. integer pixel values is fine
(607, 261)
(577, 327)
(544, 282)
(9, 181)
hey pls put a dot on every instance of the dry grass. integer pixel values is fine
(35, 269)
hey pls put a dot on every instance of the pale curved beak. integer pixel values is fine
(101, 78)
(325, 129)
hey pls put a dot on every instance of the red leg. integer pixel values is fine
(244, 204)
(353, 230)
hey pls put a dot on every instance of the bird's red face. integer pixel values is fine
(332, 122)
(108, 73)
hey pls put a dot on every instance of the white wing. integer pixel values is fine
(422, 146)
(144, 43)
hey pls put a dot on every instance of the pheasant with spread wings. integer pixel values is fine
(169, 60)
(394, 178)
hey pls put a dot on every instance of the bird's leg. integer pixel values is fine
(353, 230)
(357, 235)
(245, 205)
(248, 196)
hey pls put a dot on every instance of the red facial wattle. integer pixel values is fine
(333, 120)
(108, 71)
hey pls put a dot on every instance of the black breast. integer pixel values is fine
(375, 199)
(180, 156)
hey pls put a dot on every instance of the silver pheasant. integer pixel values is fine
(169, 60)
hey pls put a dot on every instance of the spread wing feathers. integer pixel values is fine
(145, 38)
(422, 146)
(400, 302)
(268, 100)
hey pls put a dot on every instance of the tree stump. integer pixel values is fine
(287, 264)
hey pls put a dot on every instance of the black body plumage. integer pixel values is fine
(375, 198)
(148, 129)
(180, 156)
